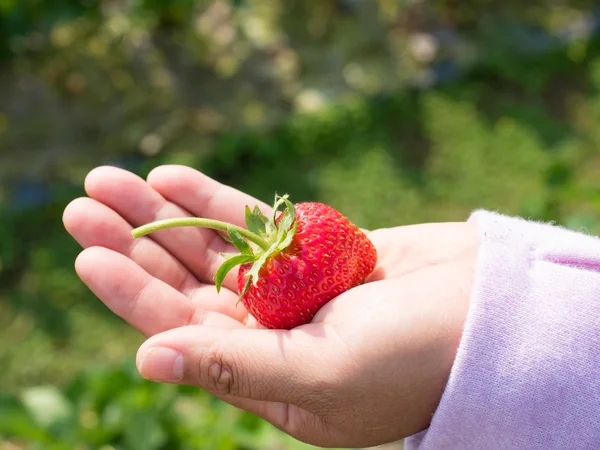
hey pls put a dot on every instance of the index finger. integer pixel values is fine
(201, 195)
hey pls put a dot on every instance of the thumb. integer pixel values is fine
(271, 365)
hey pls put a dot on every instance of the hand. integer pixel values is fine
(162, 281)
(369, 369)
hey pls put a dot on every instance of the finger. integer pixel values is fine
(198, 249)
(93, 224)
(145, 302)
(264, 365)
(201, 195)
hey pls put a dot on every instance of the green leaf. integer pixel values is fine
(269, 226)
(228, 265)
(287, 221)
(278, 202)
(253, 272)
(288, 215)
(254, 222)
(284, 234)
(290, 208)
(238, 241)
(287, 239)
(258, 213)
(288, 224)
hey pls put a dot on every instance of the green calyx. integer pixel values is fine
(262, 239)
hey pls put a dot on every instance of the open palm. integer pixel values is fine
(162, 284)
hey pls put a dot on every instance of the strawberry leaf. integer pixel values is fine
(289, 217)
(268, 225)
(287, 225)
(254, 223)
(253, 272)
(258, 213)
(227, 266)
(286, 239)
(278, 202)
(238, 241)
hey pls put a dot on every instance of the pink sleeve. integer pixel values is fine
(527, 371)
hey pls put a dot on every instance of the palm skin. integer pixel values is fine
(369, 369)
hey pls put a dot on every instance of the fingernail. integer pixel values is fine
(162, 364)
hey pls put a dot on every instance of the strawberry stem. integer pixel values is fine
(199, 222)
(271, 235)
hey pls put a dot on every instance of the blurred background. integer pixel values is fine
(393, 111)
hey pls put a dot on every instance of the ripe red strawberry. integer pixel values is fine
(292, 264)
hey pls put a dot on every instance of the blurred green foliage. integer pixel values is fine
(328, 100)
(112, 408)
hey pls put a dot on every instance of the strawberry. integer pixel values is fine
(291, 264)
